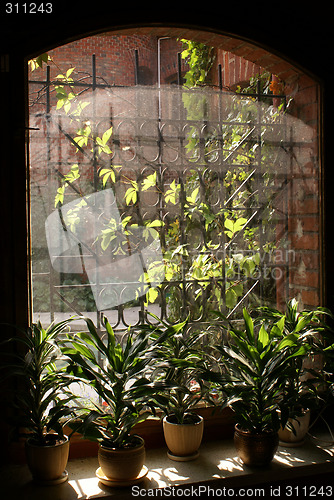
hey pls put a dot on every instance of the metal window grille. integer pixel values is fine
(202, 172)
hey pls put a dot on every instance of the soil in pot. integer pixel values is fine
(255, 449)
(183, 440)
(289, 438)
(122, 464)
(47, 463)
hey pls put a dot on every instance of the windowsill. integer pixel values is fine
(217, 465)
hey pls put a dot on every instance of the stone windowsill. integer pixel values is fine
(217, 460)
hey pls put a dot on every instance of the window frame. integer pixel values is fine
(15, 303)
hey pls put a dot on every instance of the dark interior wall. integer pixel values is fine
(296, 31)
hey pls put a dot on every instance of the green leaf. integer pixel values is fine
(263, 338)
(302, 322)
(278, 328)
(150, 181)
(107, 173)
(239, 224)
(95, 336)
(38, 61)
(289, 340)
(249, 325)
(154, 223)
(59, 198)
(108, 235)
(73, 175)
(131, 193)
(231, 298)
(85, 351)
(151, 295)
(69, 72)
(106, 136)
(172, 192)
(193, 197)
(230, 227)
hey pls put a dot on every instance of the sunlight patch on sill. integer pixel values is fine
(286, 459)
(85, 488)
(230, 465)
(164, 477)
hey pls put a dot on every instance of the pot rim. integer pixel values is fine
(140, 445)
(246, 432)
(65, 439)
(201, 419)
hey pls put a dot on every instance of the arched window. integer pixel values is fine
(169, 199)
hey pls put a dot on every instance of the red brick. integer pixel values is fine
(307, 278)
(303, 223)
(306, 206)
(309, 241)
(309, 259)
(310, 298)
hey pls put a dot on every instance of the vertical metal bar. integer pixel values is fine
(220, 77)
(221, 253)
(179, 69)
(95, 167)
(94, 71)
(48, 82)
(136, 67)
(286, 202)
(259, 176)
(182, 197)
(49, 173)
(59, 169)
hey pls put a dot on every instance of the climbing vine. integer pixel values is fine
(222, 225)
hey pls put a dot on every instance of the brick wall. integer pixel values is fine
(116, 56)
(235, 69)
(304, 195)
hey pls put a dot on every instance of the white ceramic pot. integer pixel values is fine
(47, 464)
(183, 440)
(300, 424)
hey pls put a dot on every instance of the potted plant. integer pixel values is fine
(117, 372)
(253, 366)
(302, 390)
(178, 356)
(41, 400)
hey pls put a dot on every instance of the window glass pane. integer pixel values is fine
(167, 199)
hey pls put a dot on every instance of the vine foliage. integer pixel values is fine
(214, 259)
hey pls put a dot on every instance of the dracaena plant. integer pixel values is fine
(178, 358)
(305, 383)
(117, 372)
(254, 363)
(306, 323)
(42, 400)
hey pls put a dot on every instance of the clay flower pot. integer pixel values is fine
(300, 424)
(47, 463)
(183, 440)
(122, 464)
(255, 449)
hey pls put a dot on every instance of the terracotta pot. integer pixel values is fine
(255, 450)
(183, 440)
(122, 464)
(300, 425)
(47, 463)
